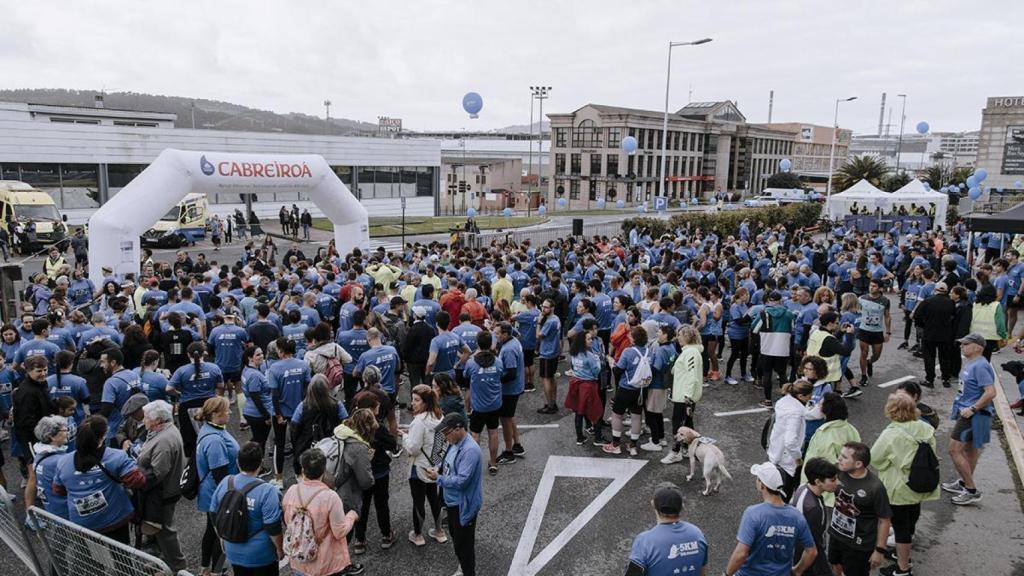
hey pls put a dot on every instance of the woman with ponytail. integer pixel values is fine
(154, 383)
(259, 410)
(194, 384)
(95, 480)
(216, 459)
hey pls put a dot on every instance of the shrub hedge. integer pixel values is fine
(793, 216)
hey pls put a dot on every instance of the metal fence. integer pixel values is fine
(71, 549)
(541, 235)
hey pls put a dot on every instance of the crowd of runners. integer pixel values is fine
(342, 369)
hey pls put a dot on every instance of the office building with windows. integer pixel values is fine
(812, 146)
(1001, 143)
(83, 156)
(710, 148)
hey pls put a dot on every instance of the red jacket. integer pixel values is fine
(451, 303)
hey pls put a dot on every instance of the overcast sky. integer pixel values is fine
(415, 59)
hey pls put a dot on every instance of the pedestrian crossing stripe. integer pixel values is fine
(618, 471)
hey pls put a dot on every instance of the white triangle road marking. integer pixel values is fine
(619, 471)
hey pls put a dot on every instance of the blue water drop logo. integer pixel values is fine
(205, 166)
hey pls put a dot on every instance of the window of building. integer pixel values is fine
(614, 137)
(135, 124)
(559, 163)
(593, 190)
(650, 139)
(67, 120)
(629, 166)
(586, 134)
(612, 165)
(574, 190)
(640, 165)
(595, 164)
(575, 164)
(641, 138)
(561, 137)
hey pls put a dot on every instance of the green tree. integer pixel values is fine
(894, 182)
(784, 180)
(865, 167)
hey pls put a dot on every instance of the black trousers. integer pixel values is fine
(188, 431)
(464, 539)
(737, 350)
(769, 364)
(280, 439)
(946, 351)
(268, 570)
(260, 431)
(378, 496)
(424, 492)
(682, 415)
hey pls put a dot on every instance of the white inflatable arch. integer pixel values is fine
(115, 228)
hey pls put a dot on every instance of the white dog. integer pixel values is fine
(710, 455)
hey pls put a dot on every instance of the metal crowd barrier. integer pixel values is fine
(71, 549)
(539, 237)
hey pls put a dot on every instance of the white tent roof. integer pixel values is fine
(863, 193)
(860, 190)
(917, 189)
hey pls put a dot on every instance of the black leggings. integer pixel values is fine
(682, 415)
(579, 426)
(424, 491)
(280, 437)
(738, 348)
(188, 431)
(378, 496)
(260, 431)
(211, 552)
(769, 364)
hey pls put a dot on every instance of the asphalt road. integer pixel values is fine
(604, 500)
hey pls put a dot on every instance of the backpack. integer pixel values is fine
(190, 481)
(397, 329)
(316, 426)
(232, 516)
(924, 468)
(333, 371)
(300, 541)
(334, 450)
(642, 375)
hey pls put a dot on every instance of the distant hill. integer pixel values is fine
(523, 128)
(211, 114)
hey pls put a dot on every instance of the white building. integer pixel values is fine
(83, 156)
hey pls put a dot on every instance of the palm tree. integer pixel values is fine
(894, 182)
(865, 167)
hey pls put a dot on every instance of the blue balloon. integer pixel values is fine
(972, 181)
(927, 185)
(785, 164)
(1018, 184)
(472, 103)
(629, 144)
(562, 202)
(506, 212)
(922, 127)
(974, 193)
(471, 212)
(962, 185)
(542, 210)
(620, 204)
(600, 203)
(642, 208)
(980, 174)
(944, 189)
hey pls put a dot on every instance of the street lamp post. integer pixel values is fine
(327, 125)
(541, 94)
(664, 124)
(832, 151)
(899, 143)
(529, 171)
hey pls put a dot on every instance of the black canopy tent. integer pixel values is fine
(1008, 221)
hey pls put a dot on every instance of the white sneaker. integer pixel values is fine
(672, 458)
(650, 447)
(731, 381)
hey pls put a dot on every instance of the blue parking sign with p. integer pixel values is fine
(660, 203)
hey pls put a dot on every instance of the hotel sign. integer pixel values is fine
(1007, 102)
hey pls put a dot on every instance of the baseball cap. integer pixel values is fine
(419, 311)
(941, 287)
(768, 474)
(451, 422)
(668, 499)
(973, 338)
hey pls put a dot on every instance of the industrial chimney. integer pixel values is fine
(881, 116)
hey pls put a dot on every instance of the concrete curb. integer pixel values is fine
(1010, 430)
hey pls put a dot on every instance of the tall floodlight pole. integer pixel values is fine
(832, 151)
(899, 143)
(664, 124)
(529, 171)
(541, 94)
(327, 116)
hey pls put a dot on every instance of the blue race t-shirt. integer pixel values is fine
(264, 505)
(511, 356)
(116, 391)
(215, 448)
(95, 500)
(45, 465)
(257, 393)
(550, 337)
(228, 342)
(296, 333)
(73, 387)
(154, 384)
(289, 378)
(974, 378)
(385, 358)
(354, 342)
(194, 386)
(670, 549)
(628, 363)
(37, 348)
(526, 324)
(447, 347)
(772, 533)
(484, 385)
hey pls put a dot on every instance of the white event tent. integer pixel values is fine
(911, 196)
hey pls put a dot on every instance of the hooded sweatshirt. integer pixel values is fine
(787, 437)
(775, 325)
(355, 474)
(483, 371)
(892, 455)
(688, 375)
(826, 443)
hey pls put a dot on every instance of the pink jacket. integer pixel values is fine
(330, 522)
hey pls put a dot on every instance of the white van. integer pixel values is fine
(786, 195)
(21, 202)
(183, 224)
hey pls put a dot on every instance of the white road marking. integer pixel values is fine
(620, 471)
(896, 381)
(533, 426)
(739, 412)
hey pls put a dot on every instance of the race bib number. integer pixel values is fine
(843, 524)
(90, 504)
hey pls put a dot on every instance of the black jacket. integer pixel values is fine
(962, 319)
(935, 317)
(416, 347)
(30, 403)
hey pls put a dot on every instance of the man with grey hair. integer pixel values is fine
(161, 460)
